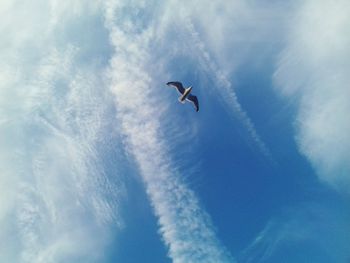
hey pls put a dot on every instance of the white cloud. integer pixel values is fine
(237, 32)
(314, 67)
(184, 225)
(55, 196)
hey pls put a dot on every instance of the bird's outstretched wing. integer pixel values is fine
(177, 85)
(194, 100)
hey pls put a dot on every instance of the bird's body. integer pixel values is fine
(184, 96)
(185, 93)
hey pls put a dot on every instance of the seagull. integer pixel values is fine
(185, 93)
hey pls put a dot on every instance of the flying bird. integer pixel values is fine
(185, 93)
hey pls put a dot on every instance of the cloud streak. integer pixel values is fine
(224, 88)
(323, 239)
(185, 227)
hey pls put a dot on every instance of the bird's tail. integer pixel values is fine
(182, 100)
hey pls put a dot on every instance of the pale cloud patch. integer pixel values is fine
(55, 194)
(314, 68)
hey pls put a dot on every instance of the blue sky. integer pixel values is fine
(99, 162)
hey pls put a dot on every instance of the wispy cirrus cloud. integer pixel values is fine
(314, 69)
(185, 227)
(55, 195)
(225, 89)
(318, 232)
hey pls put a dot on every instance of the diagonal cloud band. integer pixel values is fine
(185, 227)
(225, 90)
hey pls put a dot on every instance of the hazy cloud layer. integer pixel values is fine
(314, 68)
(55, 196)
(57, 116)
